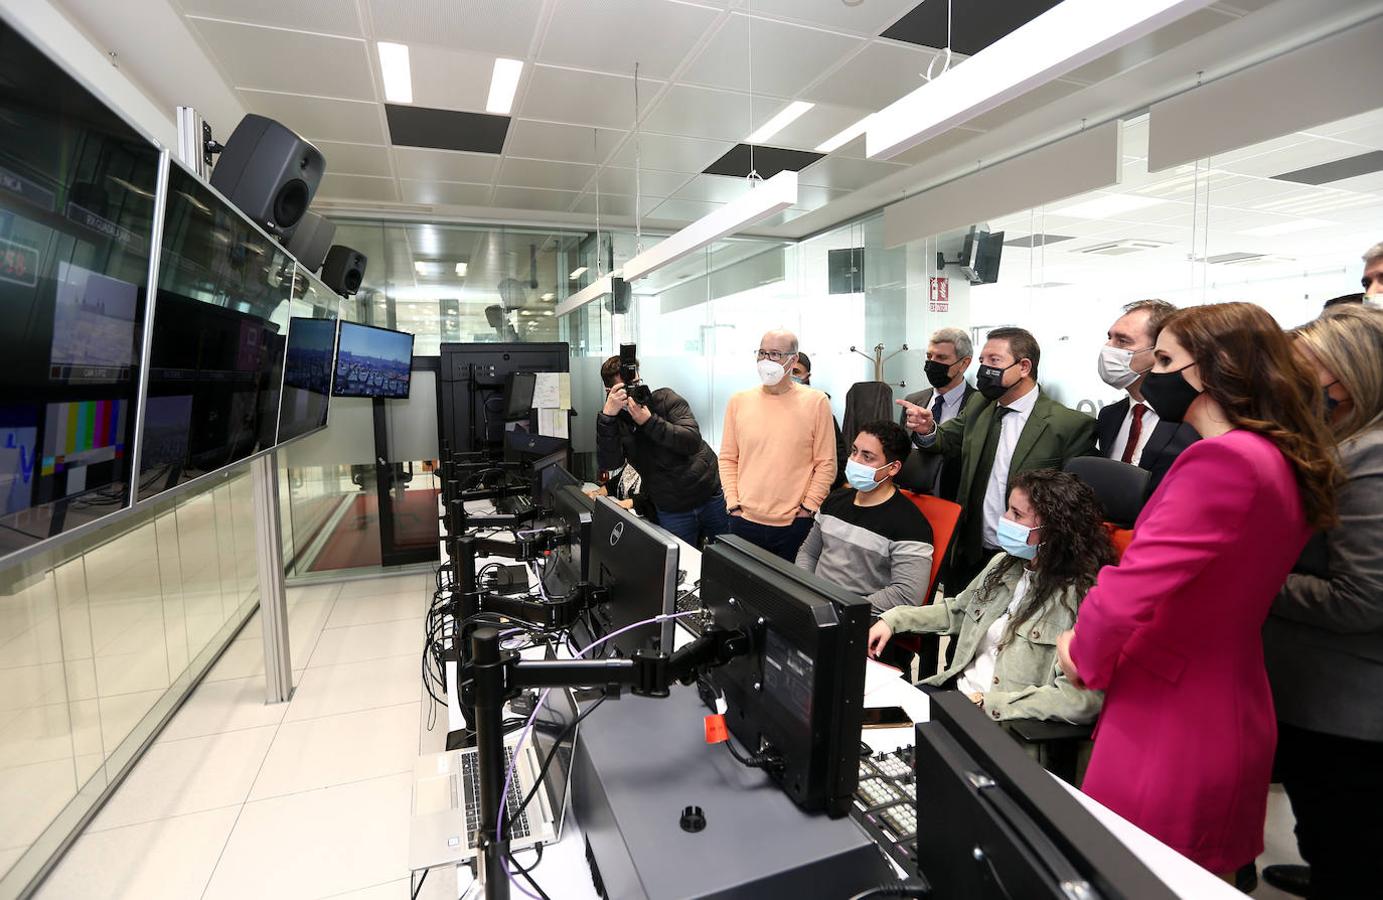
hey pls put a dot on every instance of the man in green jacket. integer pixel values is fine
(1008, 426)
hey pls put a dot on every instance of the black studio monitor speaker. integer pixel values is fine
(269, 172)
(344, 270)
(311, 239)
(618, 302)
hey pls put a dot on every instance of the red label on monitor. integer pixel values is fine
(716, 732)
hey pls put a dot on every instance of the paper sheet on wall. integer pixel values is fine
(552, 390)
(553, 423)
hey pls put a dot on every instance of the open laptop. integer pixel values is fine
(446, 794)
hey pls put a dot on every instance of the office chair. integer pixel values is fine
(919, 472)
(942, 515)
(1121, 488)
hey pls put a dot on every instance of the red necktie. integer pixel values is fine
(1135, 430)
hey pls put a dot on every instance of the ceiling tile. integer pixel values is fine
(706, 113)
(867, 18)
(357, 187)
(314, 118)
(873, 78)
(671, 154)
(533, 198)
(355, 159)
(444, 165)
(744, 160)
(504, 27)
(966, 27)
(322, 16)
(451, 79)
(1337, 169)
(581, 98)
(445, 193)
(613, 205)
(650, 183)
(294, 62)
(786, 57)
(713, 189)
(682, 210)
(446, 129)
(612, 35)
(562, 143)
(843, 173)
(551, 175)
(818, 125)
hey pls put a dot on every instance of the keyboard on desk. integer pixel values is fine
(886, 805)
(465, 787)
(689, 601)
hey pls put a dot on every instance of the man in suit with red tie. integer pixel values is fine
(1129, 430)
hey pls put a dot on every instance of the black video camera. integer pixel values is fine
(629, 374)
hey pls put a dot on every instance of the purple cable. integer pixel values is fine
(528, 726)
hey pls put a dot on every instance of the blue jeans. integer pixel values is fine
(781, 540)
(698, 523)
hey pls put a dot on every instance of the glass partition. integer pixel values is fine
(77, 188)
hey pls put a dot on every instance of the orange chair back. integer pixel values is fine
(942, 515)
(1121, 537)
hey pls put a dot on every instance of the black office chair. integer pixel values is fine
(919, 472)
(1121, 488)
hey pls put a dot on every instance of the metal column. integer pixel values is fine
(273, 603)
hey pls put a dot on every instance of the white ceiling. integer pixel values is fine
(313, 65)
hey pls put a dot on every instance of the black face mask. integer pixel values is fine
(1169, 394)
(990, 381)
(938, 373)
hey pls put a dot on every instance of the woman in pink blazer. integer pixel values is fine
(1184, 747)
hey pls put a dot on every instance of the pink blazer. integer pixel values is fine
(1184, 747)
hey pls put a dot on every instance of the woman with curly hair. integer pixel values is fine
(1173, 634)
(1007, 621)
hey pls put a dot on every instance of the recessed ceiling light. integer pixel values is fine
(547, 312)
(398, 74)
(549, 297)
(789, 114)
(461, 270)
(504, 82)
(1105, 206)
(577, 273)
(844, 137)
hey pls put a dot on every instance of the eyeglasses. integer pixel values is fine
(775, 355)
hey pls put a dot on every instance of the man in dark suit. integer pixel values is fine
(1130, 430)
(1009, 427)
(948, 357)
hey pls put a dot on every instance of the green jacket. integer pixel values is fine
(1052, 435)
(1029, 685)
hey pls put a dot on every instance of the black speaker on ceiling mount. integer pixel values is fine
(343, 270)
(311, 239)
(269, 172)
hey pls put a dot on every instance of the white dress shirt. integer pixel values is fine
(996, 492)
(978, 677)
(950, 402)
(1150, 420)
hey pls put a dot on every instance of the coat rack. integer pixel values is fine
(878, 359)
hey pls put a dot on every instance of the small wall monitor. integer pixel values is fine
(307, 370)
(373, 362)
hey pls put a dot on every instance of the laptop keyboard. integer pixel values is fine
(689, 601)
(468, 779)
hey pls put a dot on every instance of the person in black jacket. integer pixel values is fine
(1130, 430)
(662, 440)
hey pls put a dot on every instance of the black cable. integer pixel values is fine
(533, 865)
(913, 887)
(766, 761)
(524, 874)
(551, 755)
(417, 889)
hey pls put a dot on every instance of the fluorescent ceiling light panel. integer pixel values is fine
(1287, 227)
(420, 267)
(1106, 206)
(504, 82)
(790, 113)
(461, 269)
(398, 75)
(1067, 36)
(844, 137)
(577, 273)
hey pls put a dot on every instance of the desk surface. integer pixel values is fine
(565, 874)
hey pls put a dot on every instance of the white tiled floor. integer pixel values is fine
(241, 799)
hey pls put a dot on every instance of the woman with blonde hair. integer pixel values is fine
(1323, 641)
(1173, 634)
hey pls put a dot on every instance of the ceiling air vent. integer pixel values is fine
(1121, 248)
(1244, 259)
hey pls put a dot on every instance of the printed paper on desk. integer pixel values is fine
(877, 675)
(553, 423)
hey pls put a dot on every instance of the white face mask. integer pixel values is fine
(770, 372)
(1374, 302)
(1115, 370)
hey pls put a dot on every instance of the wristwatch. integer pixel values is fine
(811, 513)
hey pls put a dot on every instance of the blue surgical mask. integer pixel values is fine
(797, 380)
(1013, 539)
(860, 476)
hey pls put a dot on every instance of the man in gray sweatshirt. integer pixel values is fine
(868, 537)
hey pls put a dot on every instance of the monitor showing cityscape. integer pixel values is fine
(372, 362)
(306, 376)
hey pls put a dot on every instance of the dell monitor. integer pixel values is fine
(636, 563)
(568, 565)
(549, 474)
(798, 692)
(373, 362)
(994, 825)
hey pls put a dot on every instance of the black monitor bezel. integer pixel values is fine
(614, 613)
(412, 343)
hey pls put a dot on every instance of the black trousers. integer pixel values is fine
(1335, 785)
(783, 540)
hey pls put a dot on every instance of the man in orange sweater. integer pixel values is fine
(777, 453)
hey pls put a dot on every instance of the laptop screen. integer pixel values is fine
(555, 717)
